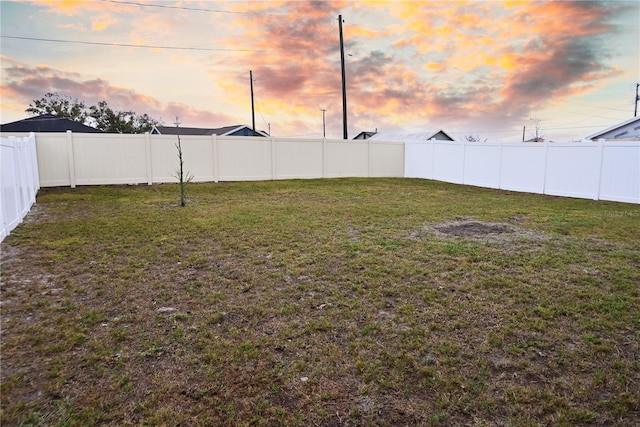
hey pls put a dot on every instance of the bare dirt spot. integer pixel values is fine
(473, 229)
(488, 232)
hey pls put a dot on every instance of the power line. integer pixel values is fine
(597, 106)
(197, 9)
(209, 49)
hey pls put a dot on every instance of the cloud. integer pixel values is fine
(533, 51)
(102, 24)
(22, 84)
(413, 64)
(455, 61)
(102, 15)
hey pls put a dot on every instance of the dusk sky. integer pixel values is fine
(483, 68)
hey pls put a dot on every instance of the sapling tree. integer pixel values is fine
(182, 177)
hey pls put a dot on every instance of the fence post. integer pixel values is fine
(274, 162)
(28, 172)
(501, 145)
(324, 157)
(34, 160)
(433, 157)
(215, 153)
(464, 157)
(546, 160)
(601, 163)
(17, 176)
(369, 158)
(71, 157)
(25, 172)
(147, 147)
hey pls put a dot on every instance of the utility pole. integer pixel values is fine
(324, 134)
(635, 110)
(253, 113)
(344, 83)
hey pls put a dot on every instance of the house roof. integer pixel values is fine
(365, 134)
(409, 137)
(47, 123)
(613, 128)
(223, 131)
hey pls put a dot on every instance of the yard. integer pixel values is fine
(336, 302)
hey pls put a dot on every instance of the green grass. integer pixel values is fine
(320, 302)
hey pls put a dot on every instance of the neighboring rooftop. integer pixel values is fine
(365, 134)
(236, 130)
(629, 129)
(423, 136)
(47, 123)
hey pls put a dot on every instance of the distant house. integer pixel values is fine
(365, 134)
(237, 130)
(439, 135)
(47, 123)
(627, 130)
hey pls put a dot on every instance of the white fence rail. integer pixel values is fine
(19, 181)
(602, 170)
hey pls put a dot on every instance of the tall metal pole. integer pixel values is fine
(635, 110)
(344, 83)
(324, 133)
(253, 114)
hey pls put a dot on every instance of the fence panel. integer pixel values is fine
(197, 154)
(522, 167)
(299, 158)
(572, 170)
(482, 165)
(347, 159)
(244, 158)
(620, 172)
(18, 181)
(102, 159)
(53, 159)
(164, 158)
(10, 210)
(418, 160)
(386, 159)
(448, 161)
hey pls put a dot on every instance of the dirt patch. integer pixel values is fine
(489, 232)
(473, 229)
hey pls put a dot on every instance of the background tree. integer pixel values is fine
(474, 138)
(61, 106)
(100, 116)
(112, 121)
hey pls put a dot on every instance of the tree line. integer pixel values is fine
(99, 116)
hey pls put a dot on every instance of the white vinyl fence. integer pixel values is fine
(19, 180)
(602, 170)
(70, 159)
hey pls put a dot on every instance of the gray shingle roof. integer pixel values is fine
(172, 130)
(47, 123)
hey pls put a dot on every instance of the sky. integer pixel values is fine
(483, 68)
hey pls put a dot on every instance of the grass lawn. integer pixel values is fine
(336, 302)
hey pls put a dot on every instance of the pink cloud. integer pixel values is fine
(23, 84)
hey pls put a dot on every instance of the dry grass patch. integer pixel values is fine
(321, 302)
